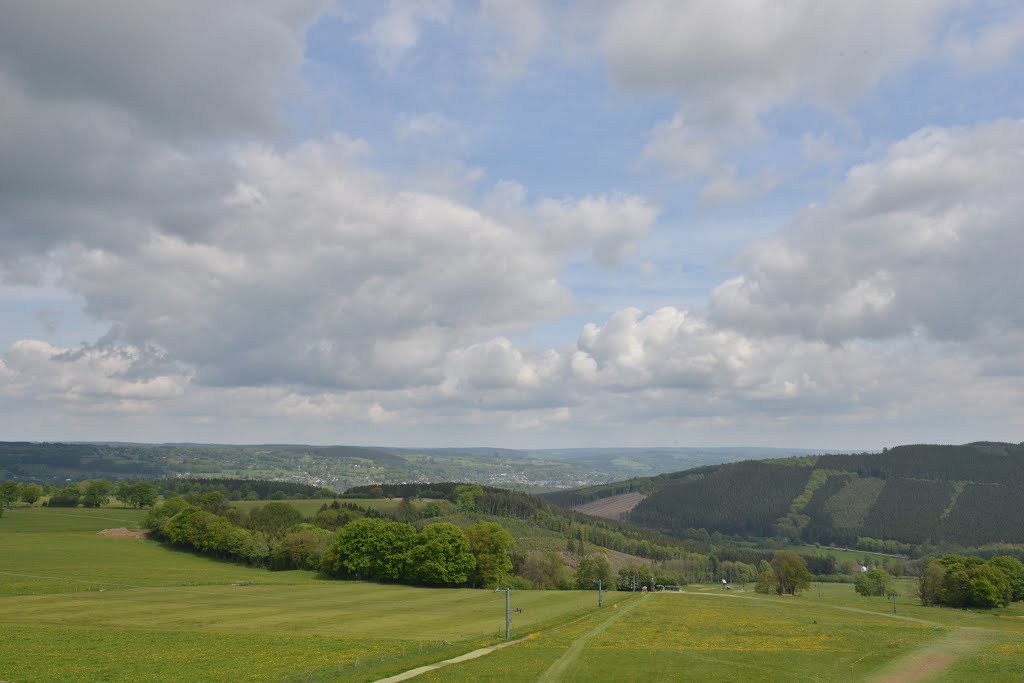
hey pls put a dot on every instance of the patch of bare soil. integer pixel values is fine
(122, 532)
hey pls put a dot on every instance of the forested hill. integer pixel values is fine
(967, 495)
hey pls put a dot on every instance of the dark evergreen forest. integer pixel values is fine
(967, 496)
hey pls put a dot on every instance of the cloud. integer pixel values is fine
(109, 109)
(163, 64)
(727, 186)
(730, 64)
(739, 52)
(987, 45)
(608, 227)
(316, 272)
(296, 277)
(252, 280)
(396, 32)
(431, 124)
(92, 379)
(920, 241)
(510, 34)
(668, 348)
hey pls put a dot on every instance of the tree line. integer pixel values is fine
(341, 540)
(144, 493)
(970, 581)
(88, 493)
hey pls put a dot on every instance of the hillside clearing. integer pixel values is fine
(612, 507)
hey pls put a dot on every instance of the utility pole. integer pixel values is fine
(600, 593)
(508, 610)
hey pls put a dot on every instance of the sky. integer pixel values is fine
(512, 222)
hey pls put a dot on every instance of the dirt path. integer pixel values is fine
(558, 669)
(933, 658)
(412, 673)
(552, 674)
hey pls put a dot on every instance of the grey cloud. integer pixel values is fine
(317, 274)
(606, 227)
(106, 106)
(925, 239)
(731, 54)
(183, 68)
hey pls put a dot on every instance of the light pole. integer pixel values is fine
(600, 593)
(508, 610)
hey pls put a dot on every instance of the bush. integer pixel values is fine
(873, 583)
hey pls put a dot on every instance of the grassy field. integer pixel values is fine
(75, 606)
(839, 553)
(708, 635)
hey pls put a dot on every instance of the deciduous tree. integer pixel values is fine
(591, 569)
(96, 493)
(490, 545)
(440, 556)
(30, 493)
(123, 492)
(372, 549)
(931, 582)
(1014, 570)
(9, 492)
(791, 571)
(873, 583)
(143, 495)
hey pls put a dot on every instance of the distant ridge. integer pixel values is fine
(969, 494)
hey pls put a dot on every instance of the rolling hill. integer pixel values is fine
(919, 494)
(340, 467)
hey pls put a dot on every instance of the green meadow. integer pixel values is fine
(76, 606)
(839, 553)
(705, 634)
